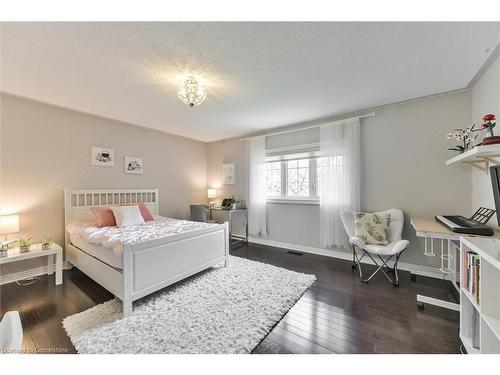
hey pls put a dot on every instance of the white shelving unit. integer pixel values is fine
(487, 310)
(479, 157)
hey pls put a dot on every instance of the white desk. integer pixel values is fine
(228, 216)
(36, 251)
(430, 229)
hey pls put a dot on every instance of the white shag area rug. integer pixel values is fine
(223, 310)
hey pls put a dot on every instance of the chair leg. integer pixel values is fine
(396, 278)
(357, 261)
(380, 268)
(384, 266)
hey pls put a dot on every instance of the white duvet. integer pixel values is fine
(115, 237)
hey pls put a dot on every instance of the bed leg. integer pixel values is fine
(127, 279)
(227, 243)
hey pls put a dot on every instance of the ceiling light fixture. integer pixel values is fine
(191, 92)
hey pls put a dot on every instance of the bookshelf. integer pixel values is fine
(480, 303)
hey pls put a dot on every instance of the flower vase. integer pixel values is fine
(491, 140)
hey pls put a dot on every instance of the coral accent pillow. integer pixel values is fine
(146, 215)
(127, 216)
(104, 216)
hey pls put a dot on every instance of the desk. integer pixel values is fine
(227, 215)
(36, 251)
(430, 229)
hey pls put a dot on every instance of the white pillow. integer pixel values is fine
(126, 216)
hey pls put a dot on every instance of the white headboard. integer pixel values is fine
(78, 202)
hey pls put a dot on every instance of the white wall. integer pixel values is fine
(403, 152)
(46, 148)
(485, 99)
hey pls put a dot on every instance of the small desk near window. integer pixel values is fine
(238, 223)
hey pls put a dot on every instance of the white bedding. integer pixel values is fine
(114, 237)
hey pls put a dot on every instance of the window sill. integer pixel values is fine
(293, 200)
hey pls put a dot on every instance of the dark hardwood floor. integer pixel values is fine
(338, 314)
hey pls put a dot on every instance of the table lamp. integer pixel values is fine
(212, 194)
(9, 224)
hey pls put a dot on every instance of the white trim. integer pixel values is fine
(26, 274)
(489, 61)
(288, 200)
(339, 254)
(413, 268)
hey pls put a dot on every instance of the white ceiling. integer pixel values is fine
(258, 75)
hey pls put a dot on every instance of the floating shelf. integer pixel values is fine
(479, 157)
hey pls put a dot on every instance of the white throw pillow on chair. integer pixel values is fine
(127, 216)
(372, 228)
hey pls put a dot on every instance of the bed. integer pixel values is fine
(143, 266)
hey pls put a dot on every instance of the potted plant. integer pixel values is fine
(46, 242)
(464, 136)
(3, 250)
(488, 124)
(24, 244)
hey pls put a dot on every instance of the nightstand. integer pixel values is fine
(36, 251)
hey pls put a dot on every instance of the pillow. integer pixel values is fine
(126, 216)
(104, 216)
(146, 215)
(372, 229)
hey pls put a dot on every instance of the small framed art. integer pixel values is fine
(133, 165)
(103, 156)
(228, 174)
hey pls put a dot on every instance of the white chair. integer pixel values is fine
(199, 213)
(11, 333)
(385, 253)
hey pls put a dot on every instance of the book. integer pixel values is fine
(471, 274)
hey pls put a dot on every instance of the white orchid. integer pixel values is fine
(462, 135)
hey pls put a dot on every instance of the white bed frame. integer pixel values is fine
(150, 265)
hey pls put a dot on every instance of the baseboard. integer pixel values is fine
(339, 254)
(333, 253)
(33, 272)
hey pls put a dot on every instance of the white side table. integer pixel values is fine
(36, 251)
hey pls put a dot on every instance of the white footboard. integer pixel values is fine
(153, 265)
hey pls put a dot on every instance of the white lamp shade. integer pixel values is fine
(9, 224)
(212, 193)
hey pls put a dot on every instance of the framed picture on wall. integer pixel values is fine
(103, 156)
(228, 174)
(133, 165)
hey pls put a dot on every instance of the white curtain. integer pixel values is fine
(339, 145)
(256, 148)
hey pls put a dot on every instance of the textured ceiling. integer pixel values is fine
(258, 75)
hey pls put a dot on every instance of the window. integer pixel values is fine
(273, 179)
(298, 179)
